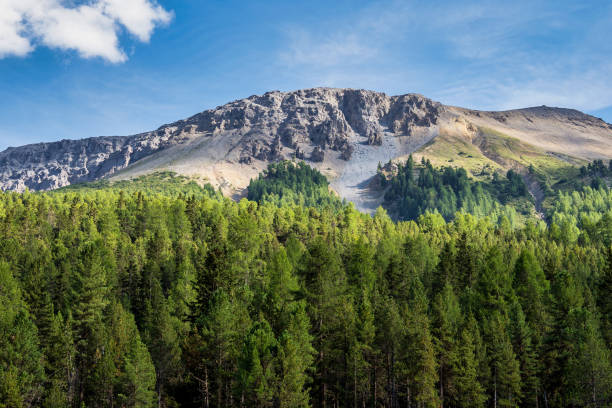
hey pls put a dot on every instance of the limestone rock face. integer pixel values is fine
(320, 117)
(318, 155)
(271, 127)
(46, 166)
(342, 132)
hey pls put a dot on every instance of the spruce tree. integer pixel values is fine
(604, 298)
(521, 336)
(21, 364)
(60, 363)
(257, 379)
(469, 392)
(295, 361)
(331, 316)
(447, 323)
(223, 328)
(422, 362)
(134, 382)
(590, 368)
(505, 368)
(162, 340)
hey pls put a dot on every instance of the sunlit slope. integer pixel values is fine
(343, 133)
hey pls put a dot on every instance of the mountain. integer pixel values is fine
(345, 133)
(148, 288)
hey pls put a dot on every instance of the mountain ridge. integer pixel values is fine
(342, 132)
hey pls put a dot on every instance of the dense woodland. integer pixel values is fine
(415, 190)
(287, 183)
(115, 298)
(598, 172)
(596, 168)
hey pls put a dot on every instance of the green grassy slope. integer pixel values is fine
(167, 183)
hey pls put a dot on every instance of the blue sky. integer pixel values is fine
(123, 71)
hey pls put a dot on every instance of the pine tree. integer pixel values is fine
(21, 366)
(469, 392)
(256, 375)
(505, 369)
(422, 362)
(295, 361)
(447, 322)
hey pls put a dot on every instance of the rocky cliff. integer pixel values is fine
(304, 124)
(46, 166)
(343, 132)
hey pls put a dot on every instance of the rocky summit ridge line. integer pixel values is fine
(297, 121)
(343, 132)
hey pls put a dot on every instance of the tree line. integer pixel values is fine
(413, 190)
(287, 183)
(115, 299)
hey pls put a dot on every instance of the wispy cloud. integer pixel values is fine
(92, 29)
(306, 48)
(482, 54)
(586, 90)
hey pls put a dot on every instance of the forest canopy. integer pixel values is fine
(413, 190)
(136, 298)
(287, 183)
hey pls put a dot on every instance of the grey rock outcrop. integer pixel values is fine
(375, 139)
(324, 117)
(318, 155)
(337, 129)
(46, 166)
(299, 154)
(272, 126)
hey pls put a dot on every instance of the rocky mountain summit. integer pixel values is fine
(343, 132)
(311, 121)
(303, 124)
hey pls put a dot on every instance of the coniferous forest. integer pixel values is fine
(413, 191)
(134, 297)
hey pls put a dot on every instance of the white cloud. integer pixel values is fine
(139, 16)
(586, 90)
(91, 29)
(84, 29)
(306, 48)
(477, 53)
(11, 28)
